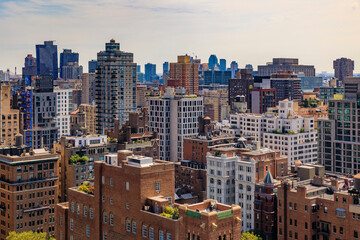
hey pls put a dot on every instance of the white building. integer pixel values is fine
(294, 136)
(64, 108)
(231, 180)
(174, 116)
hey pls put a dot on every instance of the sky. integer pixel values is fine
(245, 31)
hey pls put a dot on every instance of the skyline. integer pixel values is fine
(161, 30)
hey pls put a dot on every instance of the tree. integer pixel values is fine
(250, 236)
(29, 236)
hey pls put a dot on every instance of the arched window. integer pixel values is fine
(248, 188)
(105, 217)
(241, 187)
(219, 182)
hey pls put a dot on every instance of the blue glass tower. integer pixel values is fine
(213, 62)
(47, 59)
(67, 56)
(92, 66)
(222, 65)
(150, 72)
(165, 67)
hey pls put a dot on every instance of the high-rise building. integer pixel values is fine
(29, 70)
(294, 136)
(262, 99)
(10, 121)
(166, 67)
(184, 74)
(330, 92)
(232, 174)
(38, 107)
(115, 86)
(339, 134)
(286, 64)
(72, 71)
(286, 83)
(29, 189)
(343, 67)
(222, 65)
(138, 68)
(88, 88)
(103, 211)
(219, 101)
(67, 56)
(47, 59)
(63, 110)
(174, 116)
(241, 85)
(213, 62)
(217, 77)
(233, 68)
(150, 72)
(92, 66)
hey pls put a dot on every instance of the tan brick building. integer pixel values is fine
(82, 120)
(322, 209)
(28, 188)
(129, 201)
(10, 118)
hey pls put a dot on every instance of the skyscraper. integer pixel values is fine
(138, 68)
(286, 64)
(184, 74)
(67, 56)
(150, 72)
(234, 68)
(165, 67)
(115, 86)
(213, 62)
(47, 59)
(343, 67)
(72, 71)
(222, 64)
(92, 66)
(29, 68)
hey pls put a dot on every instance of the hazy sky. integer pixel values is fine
(247, 31)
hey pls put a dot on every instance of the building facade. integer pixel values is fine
(106, 213)
(82, 120)
(185, 74)
(115, 86)
(286, 64)
(343, 68)
(262, 99)
(241, 85)
(67, 56)
(63, 110)
(47, 59)
(174, 117)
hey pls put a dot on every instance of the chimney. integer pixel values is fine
(335, 184)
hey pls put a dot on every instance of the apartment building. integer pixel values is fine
(10, 118)
(294, 136)
(77, 156)
(63, 110)
(320, 208)
(146, 211)
(232, 174)
(29, 188)
(82, 120)
(175, 117)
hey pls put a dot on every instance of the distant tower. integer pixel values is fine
(234, 68)
(47, 59)
(222, 64)
(92, 66)
(343, 67)
(66, 57)
(213, 62)
(150, 72)
(115, 86)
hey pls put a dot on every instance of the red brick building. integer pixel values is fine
(324, 208)
(129, 201)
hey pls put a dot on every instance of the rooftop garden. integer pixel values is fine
(112, 139)
(287, 132)
(87, 188)
(170, 212)
(310, 103)
(76, 159)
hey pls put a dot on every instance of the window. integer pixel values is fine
(340, 212)
(128, 226)
(88, 230)
(161, 235)
(127, 186)
(103, 179)
(356, 234)
(78, 208)
(341, 230)
(105, 217)
(168, 236)
(91, 213)
(144, 231)
(157, 186)
(151, 233)
(72, 207)
(85, 211)
(134, 227)
(104, 235)
(71, 224)
(111, 220)
(111, 181)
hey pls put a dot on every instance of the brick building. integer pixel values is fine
(265, 214)
(322, 208)
(135, 136)
(74, 173)
(108, 213)
(28, 189)
(241, 85)
(82, 120)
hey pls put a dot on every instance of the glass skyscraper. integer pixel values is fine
(47, 59)
(67, 56)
